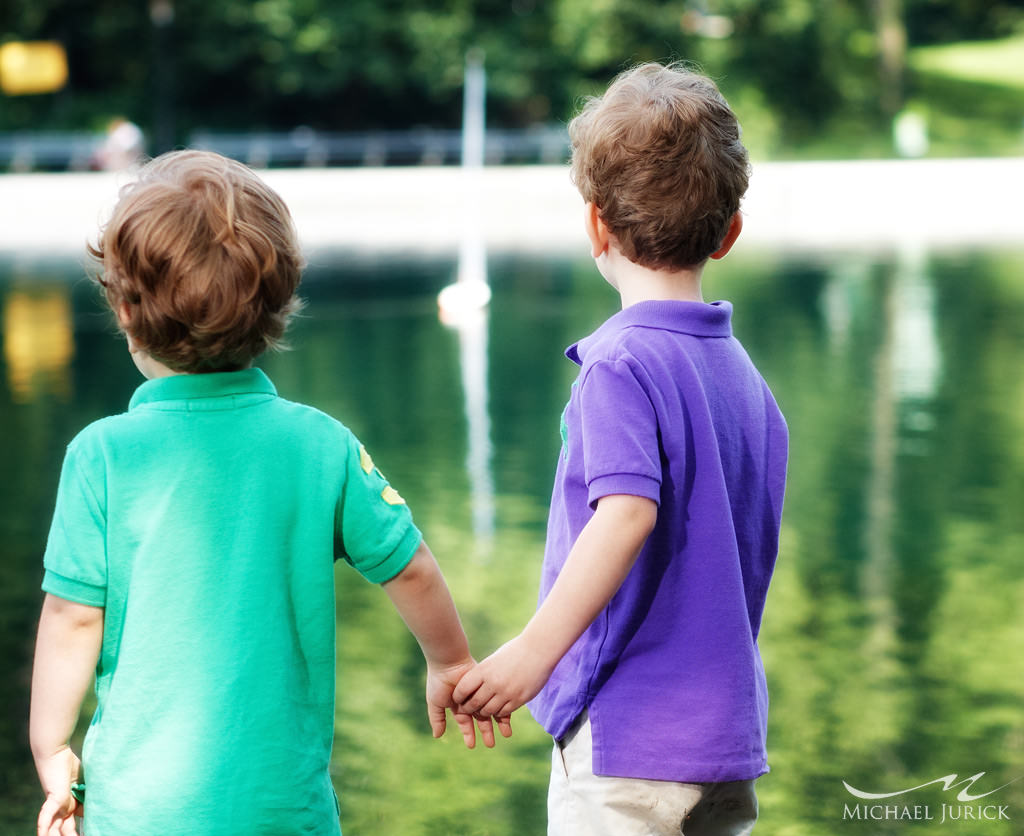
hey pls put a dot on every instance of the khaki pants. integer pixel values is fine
(583, 804)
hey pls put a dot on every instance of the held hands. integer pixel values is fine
(501, 683)
(441, 683)
(57, 773)
(599, 561)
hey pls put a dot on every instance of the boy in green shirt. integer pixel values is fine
(190, 561)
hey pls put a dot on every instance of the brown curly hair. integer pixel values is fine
(200, 262)
(660, 156)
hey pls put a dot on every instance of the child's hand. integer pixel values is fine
(57, 773)
(501, 683)
(440, 684)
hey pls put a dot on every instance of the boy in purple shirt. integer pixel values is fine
(642, 659)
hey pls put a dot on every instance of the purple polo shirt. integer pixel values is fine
(668, 405)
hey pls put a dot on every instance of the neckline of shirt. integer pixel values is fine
(701, 319)
(188, 387)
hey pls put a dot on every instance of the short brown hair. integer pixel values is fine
(660, 156)
(203, 260)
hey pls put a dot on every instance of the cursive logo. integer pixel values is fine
(949, 782)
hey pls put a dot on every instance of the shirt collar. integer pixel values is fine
(701, 319)
(191, 387)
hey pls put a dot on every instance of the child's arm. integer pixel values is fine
(67, 650)
(597, 565)
(421, 596)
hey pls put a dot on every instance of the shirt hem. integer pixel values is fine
(694, 773)
(397, 560)
(73, 590)
(630, 484)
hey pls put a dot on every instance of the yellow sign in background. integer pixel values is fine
(29, 67)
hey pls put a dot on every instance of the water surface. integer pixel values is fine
(894, 632)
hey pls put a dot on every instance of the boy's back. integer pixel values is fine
(203, 521)
(667, 405)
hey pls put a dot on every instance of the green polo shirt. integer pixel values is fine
(206, 521)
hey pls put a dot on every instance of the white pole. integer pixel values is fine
(470, 292)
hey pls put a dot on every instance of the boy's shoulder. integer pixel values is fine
(100, 432)
(619, 359)
(307, 413)
(305, 417)
(622, 339)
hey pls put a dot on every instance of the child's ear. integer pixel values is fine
(735, 227)
(596, 229)
(124, 315)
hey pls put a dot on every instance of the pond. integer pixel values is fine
(894, 631)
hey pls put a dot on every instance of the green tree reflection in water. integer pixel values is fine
(893, 635)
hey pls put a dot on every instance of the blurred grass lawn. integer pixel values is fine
(998, 63)
(970, 95)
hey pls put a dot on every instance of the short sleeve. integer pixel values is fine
(620, 433)
(374, 528)
(76, 552)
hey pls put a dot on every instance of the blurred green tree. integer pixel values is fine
(796, 68)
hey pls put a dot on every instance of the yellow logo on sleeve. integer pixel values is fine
(365, 462)
(389, 494)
